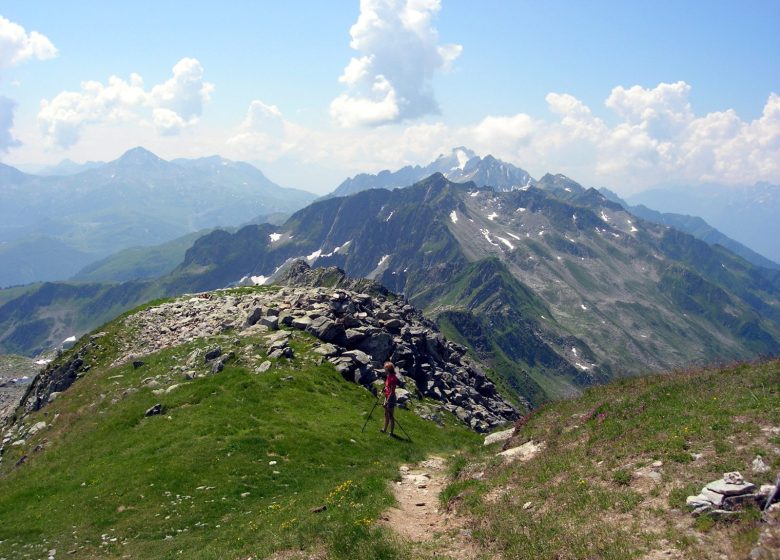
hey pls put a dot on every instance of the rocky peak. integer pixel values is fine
(298, 273)
(355, 331)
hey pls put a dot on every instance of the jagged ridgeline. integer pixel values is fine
(552, 285)
(358, 323)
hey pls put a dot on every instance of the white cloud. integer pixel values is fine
(185, 93)
(400, 49)
(16, 45)
(7, 139)
(170, 106)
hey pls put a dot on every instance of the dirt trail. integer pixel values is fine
(419, 517)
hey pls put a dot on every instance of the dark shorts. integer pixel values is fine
(392, 402)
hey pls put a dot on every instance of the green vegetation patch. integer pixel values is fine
(618, 464)
(238, 464)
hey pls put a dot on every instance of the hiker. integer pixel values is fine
(391, 382)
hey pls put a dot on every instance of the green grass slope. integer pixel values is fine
(232, 468)
(590, 494)
(139, 262)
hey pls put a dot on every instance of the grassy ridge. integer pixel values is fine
(232, 468)
(588, 494)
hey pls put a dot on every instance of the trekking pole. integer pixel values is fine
(376, 402)
(402, 429)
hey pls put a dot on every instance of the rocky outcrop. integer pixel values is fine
(356, 332)
(726, 496)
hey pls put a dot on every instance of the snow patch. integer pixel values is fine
(259, 280)
(492, 217)
(513, 236)
(382, 260)
(486, 234)
(314, 256)
(275, 237)
(475, 193)
(633, 229)
(454, 217)
(583, 307)
(604, 216)
(42, 362)
(505, 242)
(390, 216)
(69, 340)
(567, 189)
(521, 209)
(573, 350)
(582, 367)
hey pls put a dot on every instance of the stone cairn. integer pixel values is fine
(724, 497)
(356, 332)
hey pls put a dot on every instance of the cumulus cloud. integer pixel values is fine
(391, 80)
(16, 45)
(169, 107)
(657, 138)
(654, 137)
(7, 139)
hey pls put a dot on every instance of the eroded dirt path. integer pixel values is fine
(420, 518)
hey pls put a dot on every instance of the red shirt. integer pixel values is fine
(390, 384)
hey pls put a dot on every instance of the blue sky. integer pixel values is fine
(621, 94)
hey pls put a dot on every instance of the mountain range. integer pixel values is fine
(52, 226)
(747, 214)
(459, 166)
(553, 285)
(462, 165)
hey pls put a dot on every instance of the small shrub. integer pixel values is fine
(704, 523)
(455, 466)
(621, 477)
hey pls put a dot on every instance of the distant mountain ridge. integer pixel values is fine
(137, 199)
(748, 214)
(459, 166)
(696, 226)
(557, 287)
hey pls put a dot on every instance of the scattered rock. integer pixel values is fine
(37, 427)
(264, 367)
(524, 452)
(212, 354)
(499, 436)
(155, 410)
(137, 364)
(759, 466)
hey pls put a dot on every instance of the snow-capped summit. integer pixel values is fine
(460, 166)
